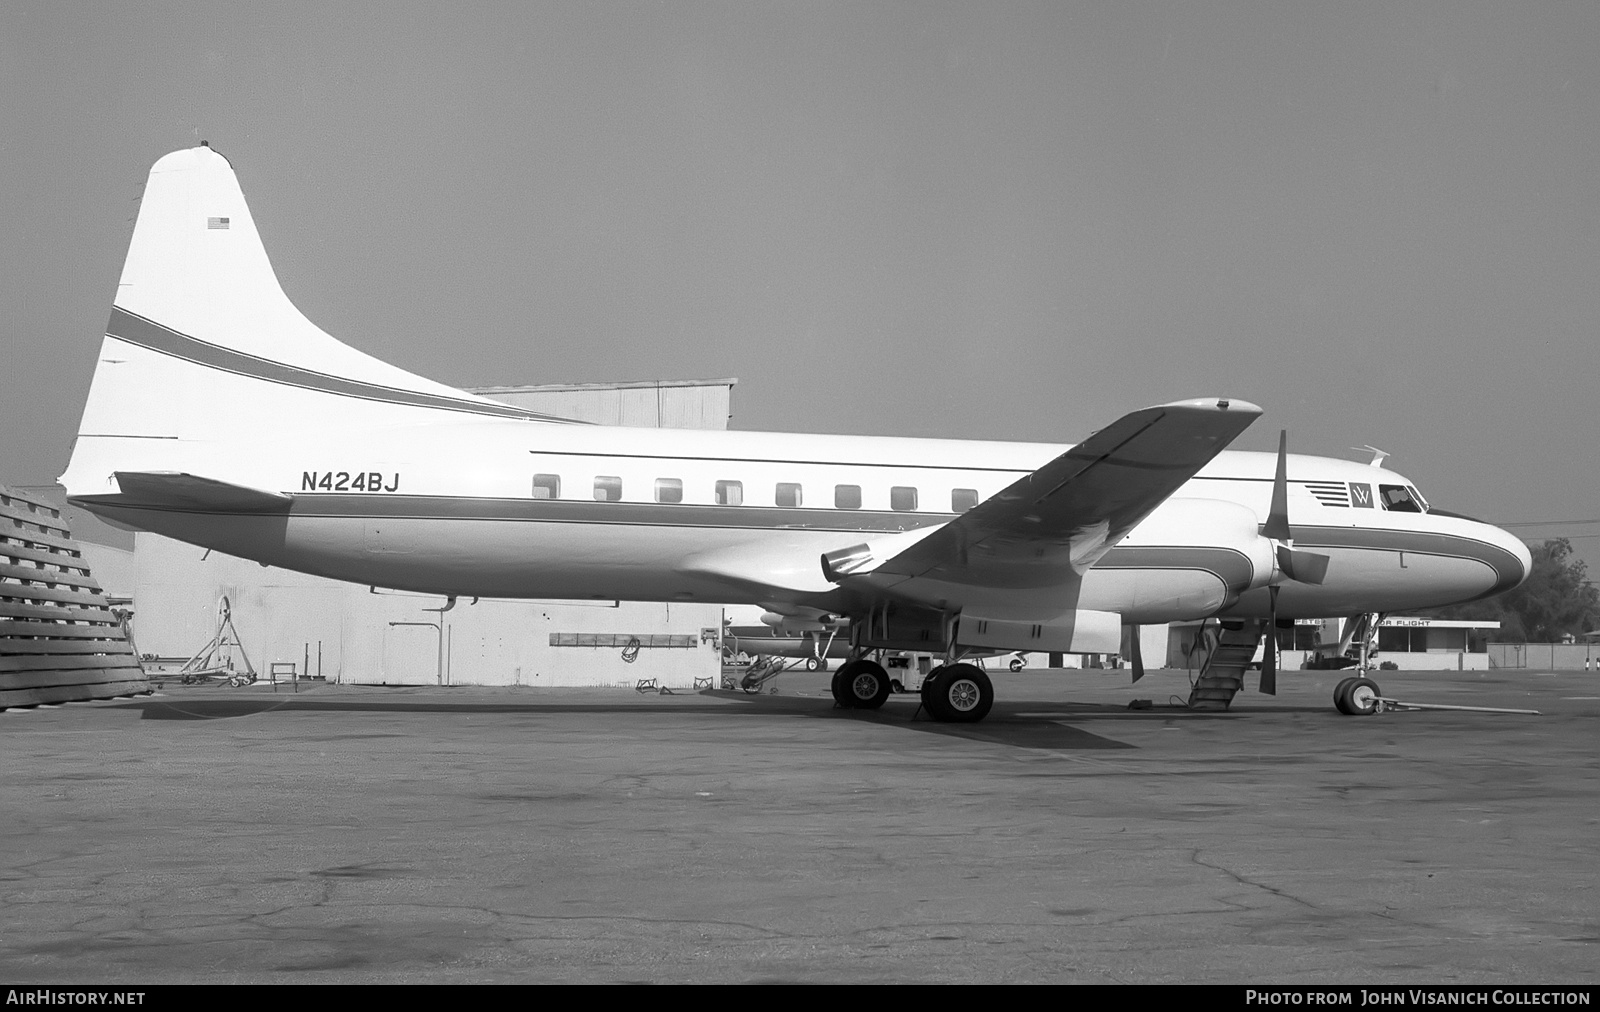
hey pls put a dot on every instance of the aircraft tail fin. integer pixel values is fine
(203, 344)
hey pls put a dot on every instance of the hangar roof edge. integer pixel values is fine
(622, 385)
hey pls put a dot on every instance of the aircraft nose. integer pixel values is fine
(1524, 557)
(1517, 562)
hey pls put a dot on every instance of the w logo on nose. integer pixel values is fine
(1361, 494)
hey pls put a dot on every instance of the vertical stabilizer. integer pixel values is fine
(204, 346)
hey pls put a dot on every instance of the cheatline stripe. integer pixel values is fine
(560, 511)
(1507, 567)
(582, 511)
(1228, 565)
(137, 330)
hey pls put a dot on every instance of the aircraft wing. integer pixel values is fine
(1059, 520)
(177, 491)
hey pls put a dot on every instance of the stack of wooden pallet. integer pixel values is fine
(59, 638)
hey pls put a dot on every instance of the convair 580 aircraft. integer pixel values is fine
(221, 416)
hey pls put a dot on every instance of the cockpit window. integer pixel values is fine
(1418, 497)
(1399, 499)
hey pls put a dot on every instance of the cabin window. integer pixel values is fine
(547, 486)
(730, 493)
(1397, 498)
(669, 490)
(903, 499)
(607, 488)
(788, 493)
(847, 497)
(963, 499)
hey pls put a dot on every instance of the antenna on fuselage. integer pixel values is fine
(1378, 456)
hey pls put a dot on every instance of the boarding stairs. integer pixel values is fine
(1227, 660)
(762, 671)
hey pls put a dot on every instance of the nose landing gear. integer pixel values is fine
(1357, 697)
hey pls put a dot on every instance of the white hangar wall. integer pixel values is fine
(367, 637)
(351, 631)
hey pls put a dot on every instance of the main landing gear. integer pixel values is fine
(1356, 697)
(955, 693)
(861, 684)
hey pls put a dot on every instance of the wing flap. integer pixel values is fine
(1059, 520)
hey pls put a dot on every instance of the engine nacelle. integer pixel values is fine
(795, 625)
(1208, 552)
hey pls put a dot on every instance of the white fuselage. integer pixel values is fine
(509, 508)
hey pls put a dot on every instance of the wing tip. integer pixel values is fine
(1232, 405)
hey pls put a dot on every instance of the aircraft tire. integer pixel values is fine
(1017, 664)
(837, 685)
(812, 664)
(1361, 697)
(958, 694)
(1339, 702)
(866, 685)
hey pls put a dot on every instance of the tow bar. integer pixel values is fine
(1385, 705)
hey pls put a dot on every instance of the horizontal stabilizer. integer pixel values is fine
(173, 490)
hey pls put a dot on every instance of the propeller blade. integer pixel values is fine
(1277, 525)
(1269, 656)
(1135, 656)
(1302, 567)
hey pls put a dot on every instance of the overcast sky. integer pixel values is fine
(998, 220)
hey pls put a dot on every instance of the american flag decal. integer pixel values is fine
(216, 223)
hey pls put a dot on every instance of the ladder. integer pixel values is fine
(1223, 674)
(762, 671)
